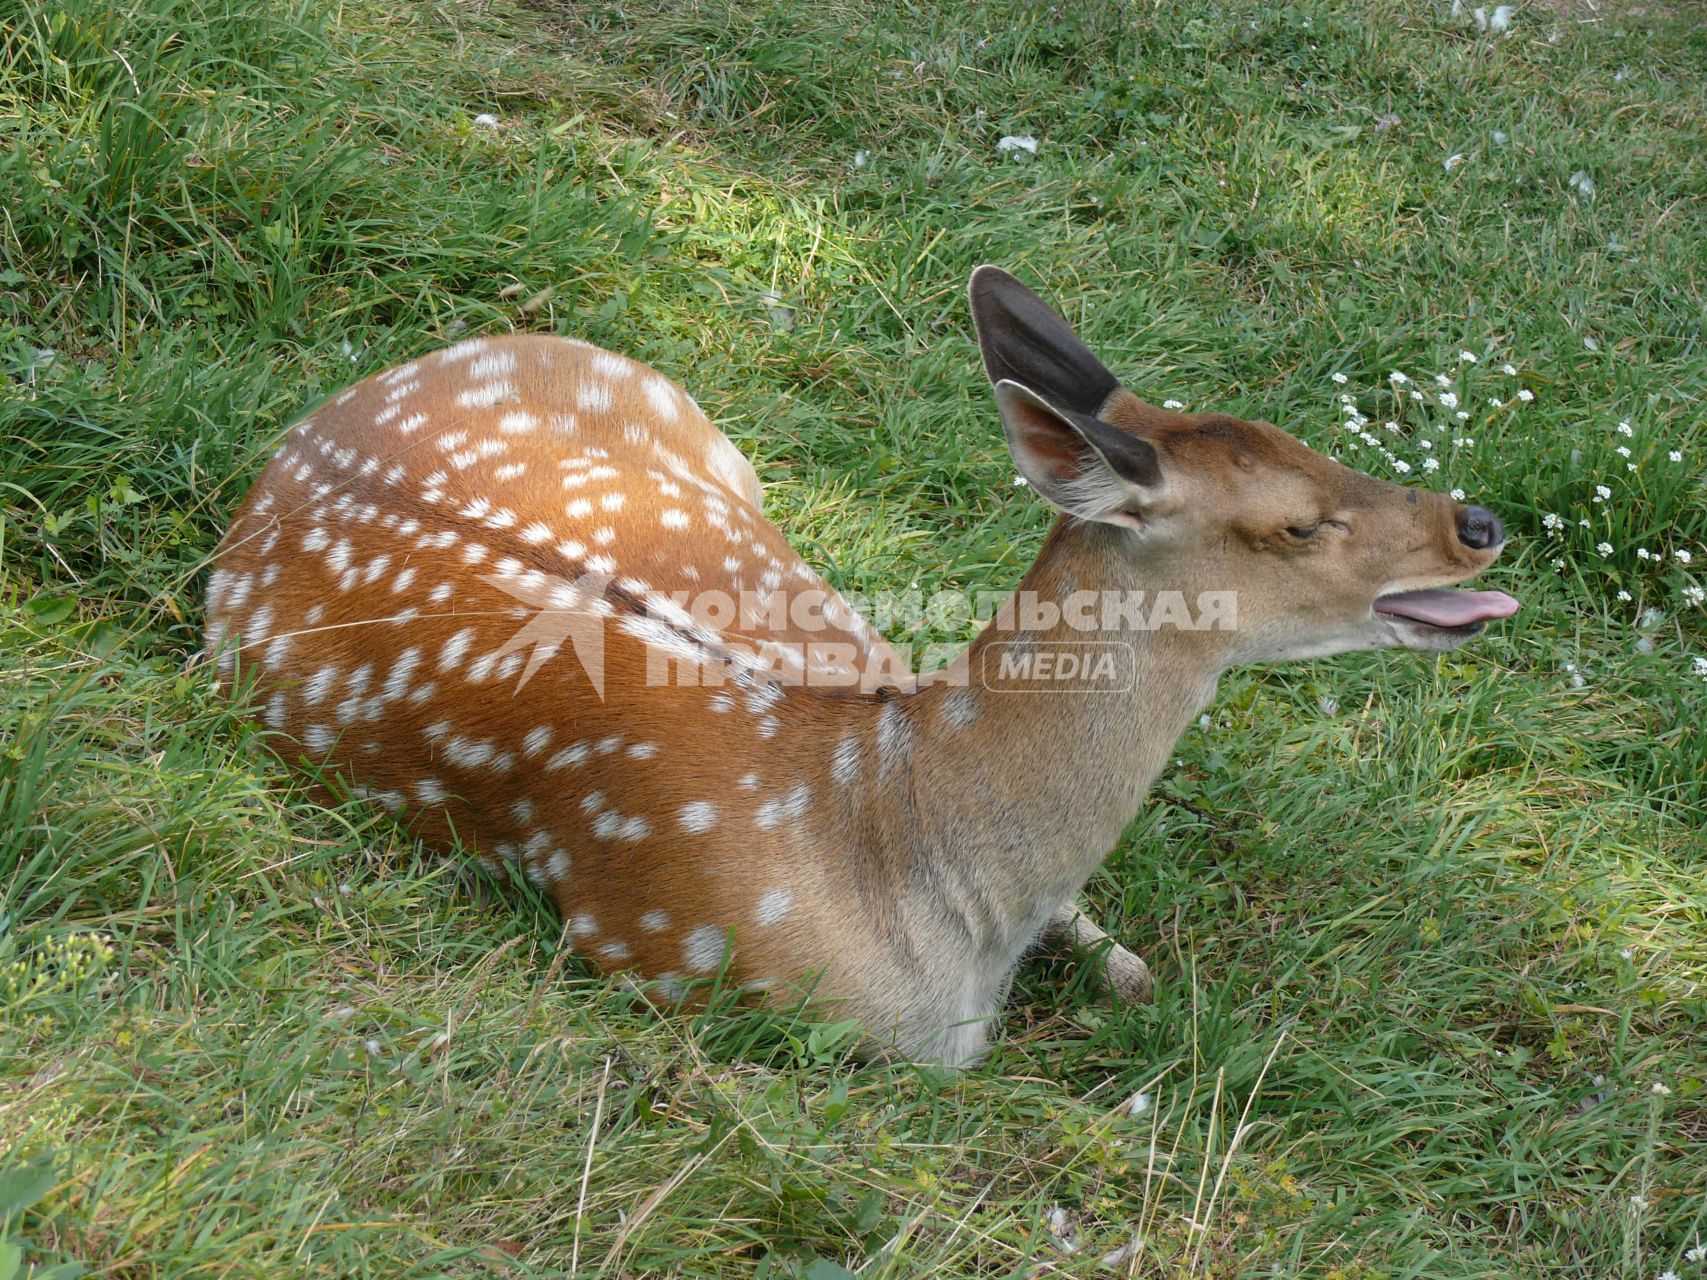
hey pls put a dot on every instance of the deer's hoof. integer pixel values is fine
(1128, 977)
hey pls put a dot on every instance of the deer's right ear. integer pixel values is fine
(1078, 463)
(1024, 341)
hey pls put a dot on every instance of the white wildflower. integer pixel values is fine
(1652, 617)
(1448, 400)
(1510, 370)
(1625, 429)
(1457, 495)
(1659, 1090)
(1622, 451)
(1397, 379)
(1401, 466)
(1682, 556)
(1525, 394)
(1431, 464)
(1441, 380)
(1642, 553)
(1701, 667)
(1552, 520)
(1625, 597)
(1421, 444)
(1020, 482)
(1697, 1254)
(1694, 596)
(1173, 404)
(1601, 493)
(1466, 357)
(1340, 378)
(1014, 142)
(1605, 548)
(1415, 394)
(1676, 455)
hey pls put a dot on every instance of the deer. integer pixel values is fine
(466, 589)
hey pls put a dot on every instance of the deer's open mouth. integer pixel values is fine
(1445, 609)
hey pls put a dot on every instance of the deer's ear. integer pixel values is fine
(1024, 341)
(1078, 463)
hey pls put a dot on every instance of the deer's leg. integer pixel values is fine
(1123, 973)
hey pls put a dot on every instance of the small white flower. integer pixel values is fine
(1642, 553)
(1329, 704)
(1584, 524)
(1652, 617)
(1623, 452)
(1695, 596)
(1415, 394)
(1701, 667)
(1401, 466)
(486, 120)
(1559, 564)
(1020, 482)
(1625, 429)
(1682, 556)
(1552, 520)
(1421, 444)
(1526, 395)
(1448, 400)
(1605, 548)
(1466, 357)
(1697, 1254)
(1457, 495)
(1340, 378)
(1441, 380)
(1397, 379)
(1638, 1202)
(1510, 370)
(1676, 455)
(1625, 596)
(1601, 493)
(1667, 1274)
(1013, 142)
(1625, 953)
(1431, 464)
(1463, 415)
(1659, 1090)
(1173, 404)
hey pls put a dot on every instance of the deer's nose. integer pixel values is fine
(1480, 528)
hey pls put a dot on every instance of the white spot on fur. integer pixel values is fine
(702, 949)
(654, 921)
(774, 905)
(700, 815)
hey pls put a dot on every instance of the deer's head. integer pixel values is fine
(1323, 559)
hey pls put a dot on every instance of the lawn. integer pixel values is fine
(1430, 934)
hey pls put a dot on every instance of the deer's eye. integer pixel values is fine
(1303, 532)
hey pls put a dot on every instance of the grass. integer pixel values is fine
(1431, 935)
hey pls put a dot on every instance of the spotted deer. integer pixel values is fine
(468, 587)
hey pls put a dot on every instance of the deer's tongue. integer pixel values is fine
(1443, 608)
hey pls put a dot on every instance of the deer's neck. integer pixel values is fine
(1031, 759)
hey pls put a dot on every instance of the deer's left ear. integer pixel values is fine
(1023, 340)
(1078, 463)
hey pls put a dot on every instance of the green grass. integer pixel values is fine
(1428, 933)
